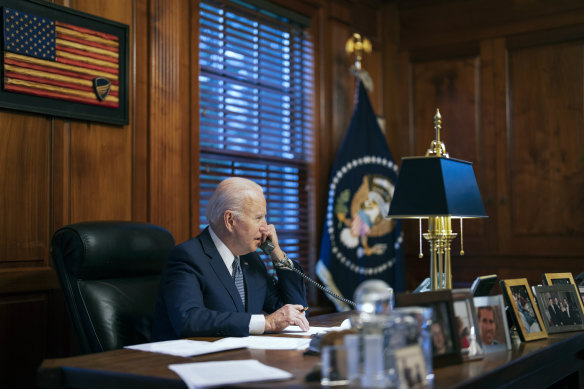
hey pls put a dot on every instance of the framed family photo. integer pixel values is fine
(445, 338)
(560, 307)
(524, 312)
(562, 279)
(493, 328)
(467, 324)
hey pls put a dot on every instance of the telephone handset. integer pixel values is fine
(267, 247)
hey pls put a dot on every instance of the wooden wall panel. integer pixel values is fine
(101, 172)
(450, 85)
(546, 189)
(169, 104)
(434, 23)
(23, 335)
(101, 155)
(25, 145)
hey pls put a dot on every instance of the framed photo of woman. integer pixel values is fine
(445, 338)
(524, 312)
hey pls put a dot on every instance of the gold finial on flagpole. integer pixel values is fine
(358, 45)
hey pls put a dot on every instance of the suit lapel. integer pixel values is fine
(218, 266)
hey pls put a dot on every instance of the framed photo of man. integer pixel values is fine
(523, 310)
(493, 329)
(560, 308)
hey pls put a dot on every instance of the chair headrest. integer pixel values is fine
(108, 249)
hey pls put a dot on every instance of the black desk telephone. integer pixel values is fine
(267, 247)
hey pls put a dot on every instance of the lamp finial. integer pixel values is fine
(437, 148)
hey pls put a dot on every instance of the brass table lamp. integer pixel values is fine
(438, 188)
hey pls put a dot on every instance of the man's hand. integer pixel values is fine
(288, 315)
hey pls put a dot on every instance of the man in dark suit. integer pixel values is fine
(217, 285)
(554, 318)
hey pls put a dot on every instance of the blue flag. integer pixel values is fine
(359, 242)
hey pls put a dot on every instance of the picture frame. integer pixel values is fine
(524, 312)
(411, 367)
(79, 73)
(493, 328)
(560, 307)
(558, 279)
(562, 279)
(467, 324)
(445, 339)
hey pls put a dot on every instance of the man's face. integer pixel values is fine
(249, 227)
(487, 326)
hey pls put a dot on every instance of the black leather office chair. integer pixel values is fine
(109, 273)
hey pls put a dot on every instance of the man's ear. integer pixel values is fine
(229, 219)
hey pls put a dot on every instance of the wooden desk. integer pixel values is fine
(535, 365)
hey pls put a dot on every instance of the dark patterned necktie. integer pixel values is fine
(238, 279)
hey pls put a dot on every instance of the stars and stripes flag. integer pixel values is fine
(48, 58)
(359, 243)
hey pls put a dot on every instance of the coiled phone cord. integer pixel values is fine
(319, 286)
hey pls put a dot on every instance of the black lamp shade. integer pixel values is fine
(436, 186)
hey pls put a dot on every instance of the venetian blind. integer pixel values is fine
(256, 112)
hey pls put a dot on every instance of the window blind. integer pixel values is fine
(256, 112)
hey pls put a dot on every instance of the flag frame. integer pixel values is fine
(13, 100)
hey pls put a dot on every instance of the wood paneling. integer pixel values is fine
(545, 163)
(426, 24)
(169, 106)
(100, 156)
(25, 146)
(23, 323)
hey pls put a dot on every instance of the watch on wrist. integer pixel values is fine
(284, 263)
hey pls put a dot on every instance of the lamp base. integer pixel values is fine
(440, 236)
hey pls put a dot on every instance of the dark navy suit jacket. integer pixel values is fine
(197, 295)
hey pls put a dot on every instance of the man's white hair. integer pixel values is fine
(231, 194)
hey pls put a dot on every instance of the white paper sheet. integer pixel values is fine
(267, 342)
(295, 330)
(188, 348)
(205, 374)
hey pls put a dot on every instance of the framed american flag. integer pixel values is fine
(61, 62)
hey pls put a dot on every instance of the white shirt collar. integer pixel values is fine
(224, 251)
